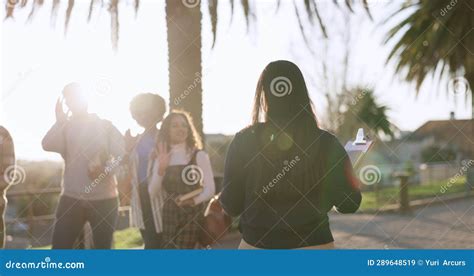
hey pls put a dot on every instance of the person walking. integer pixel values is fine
(283, 173)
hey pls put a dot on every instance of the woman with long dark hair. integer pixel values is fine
(283, 174)
(182, 168)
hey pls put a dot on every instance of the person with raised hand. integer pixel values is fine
(147, 110)
(183, 171)
(92, 149)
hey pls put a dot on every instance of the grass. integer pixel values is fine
(127, 238)
(390, 195)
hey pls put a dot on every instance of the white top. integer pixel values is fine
(180, 156)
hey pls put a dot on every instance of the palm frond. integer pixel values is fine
(320, 20)
(246, 8)
(301, 27)
(431, 37)
(91, 9)
(278, 5)
(36, 4)
(311, 10)
(70, 6)
(213, 16)
(349, 5)
(114, 22)
(137, 6)
(9, 11)
(232, 7)
(54, 11)
(366, 7)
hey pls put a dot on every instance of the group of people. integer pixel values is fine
(282, 174)
(148, 169)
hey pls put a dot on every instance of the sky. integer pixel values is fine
(39, 59)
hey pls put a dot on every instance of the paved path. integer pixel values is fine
(441, 225)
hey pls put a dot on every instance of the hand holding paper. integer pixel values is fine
(358, 148)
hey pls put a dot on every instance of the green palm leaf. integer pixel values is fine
(434, 38)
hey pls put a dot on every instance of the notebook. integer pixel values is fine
(190, 195)
(358, 148)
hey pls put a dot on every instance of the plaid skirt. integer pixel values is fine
(181, 225)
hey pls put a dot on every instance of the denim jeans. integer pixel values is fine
(72, 214)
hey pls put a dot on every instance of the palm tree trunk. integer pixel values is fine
(183, 23)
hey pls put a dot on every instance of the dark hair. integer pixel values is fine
(149, 101)
(287, 125)
(282, 95)
(193, 141)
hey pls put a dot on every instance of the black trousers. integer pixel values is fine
(72, 214)
(151, 239)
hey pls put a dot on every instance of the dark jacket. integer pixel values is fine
(285, 204)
